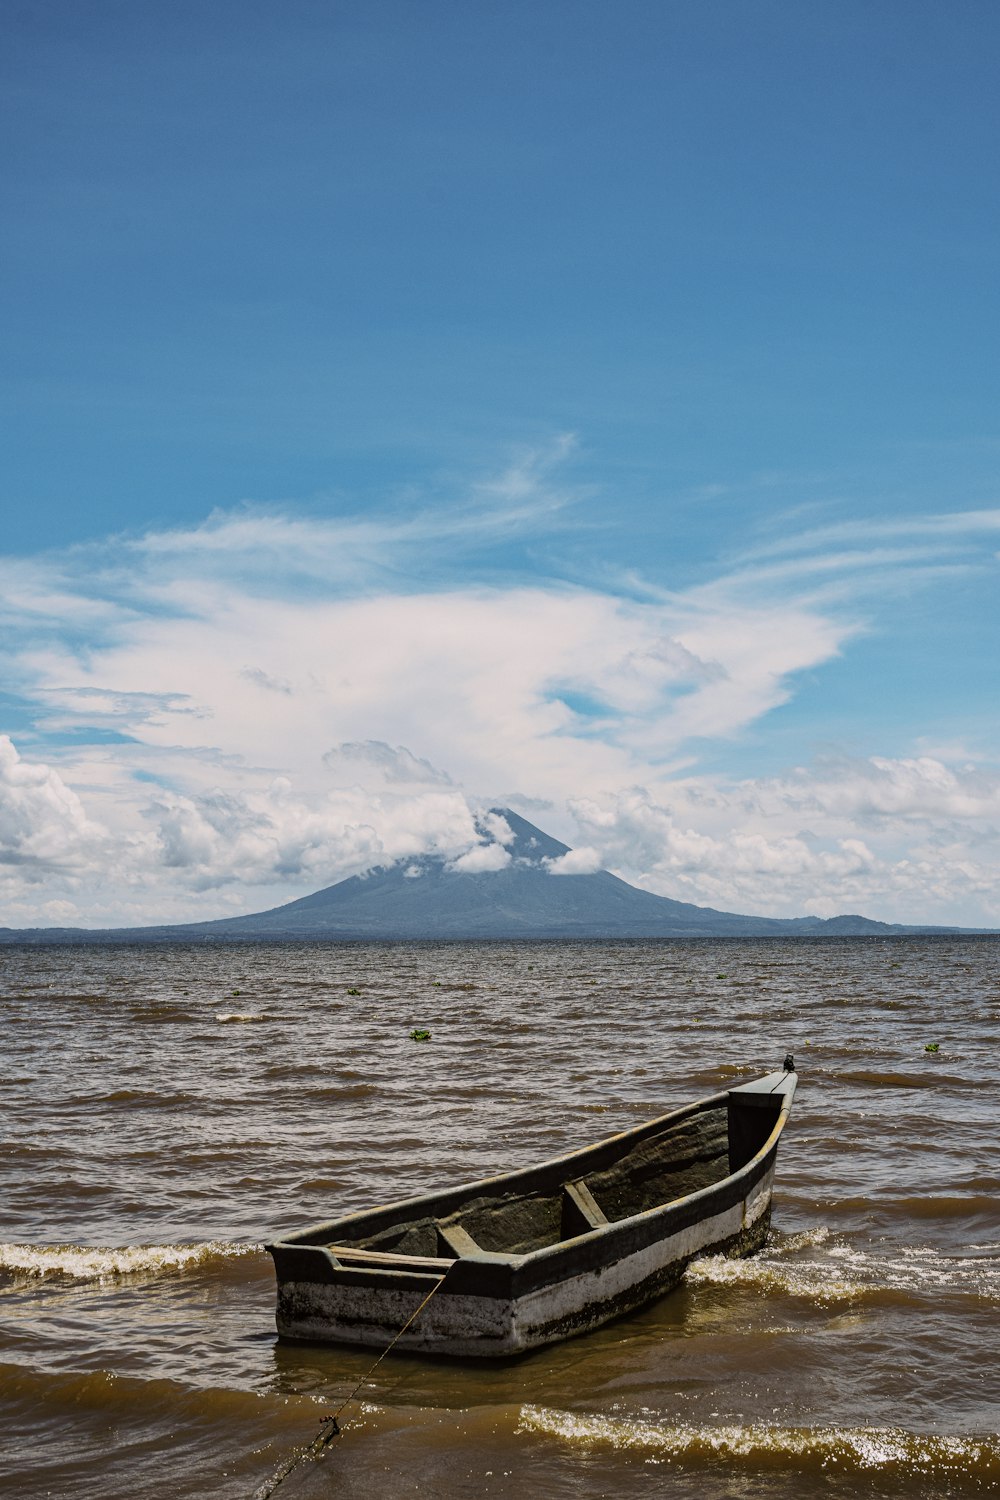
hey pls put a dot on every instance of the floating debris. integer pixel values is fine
(932, 1047)
(353, 991)
(418, 1034)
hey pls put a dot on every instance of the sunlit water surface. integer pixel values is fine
(167, 1109)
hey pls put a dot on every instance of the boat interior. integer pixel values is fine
(645, 1169)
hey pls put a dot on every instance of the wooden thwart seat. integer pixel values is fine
(456, 1241)
(580, 1214)
(384, 1260)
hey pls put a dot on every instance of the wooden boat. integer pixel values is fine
(524, 1259)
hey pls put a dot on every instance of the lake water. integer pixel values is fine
(168, 1108)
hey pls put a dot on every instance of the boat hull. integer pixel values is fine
(489, 1304)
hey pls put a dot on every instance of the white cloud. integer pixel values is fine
(580, 861)
(257, 839)
(44, 828)
(483, 859)
(495, 826)
(920, 789)
(864, 530)
(471, 683)
(295, 699)
(265, 547)
(390, 763)
(907, 841)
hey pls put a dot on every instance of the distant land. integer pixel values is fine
(425, 898)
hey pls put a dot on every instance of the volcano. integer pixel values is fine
(433, 898)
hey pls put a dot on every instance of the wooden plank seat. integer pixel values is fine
(456, 1241)
(580, 1213)
(351, 1255)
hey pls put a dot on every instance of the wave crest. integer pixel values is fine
(841, 1273)
(93, 1263)
(858, 1448)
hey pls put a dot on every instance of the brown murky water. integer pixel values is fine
(168, 1108)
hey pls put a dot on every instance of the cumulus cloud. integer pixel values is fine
(495, 826)
(43, 825)
(822, 840)
(278, 835)
(581, 861)
(482, 860)
(917, 789)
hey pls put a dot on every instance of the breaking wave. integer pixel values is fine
(849, 1448)
(90, 1263)
(840, 1273)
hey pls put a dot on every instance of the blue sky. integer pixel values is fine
(596, 406)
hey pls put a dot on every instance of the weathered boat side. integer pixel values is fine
(540, 1254)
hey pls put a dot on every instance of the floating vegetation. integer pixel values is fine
(354, 990)
(418, 1034)
(722, 976)
(932, 1047)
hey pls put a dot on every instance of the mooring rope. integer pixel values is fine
(330, 1426)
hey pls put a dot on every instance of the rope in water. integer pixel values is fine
(330, 1426)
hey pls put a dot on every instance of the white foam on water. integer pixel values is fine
(775, 1270)
(847, 1447)
(844, 1273)
(92, 1263)
(921, 1270)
